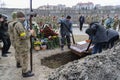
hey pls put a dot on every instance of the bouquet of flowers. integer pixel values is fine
(37, 45)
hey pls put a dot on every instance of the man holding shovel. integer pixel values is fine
(65, 30)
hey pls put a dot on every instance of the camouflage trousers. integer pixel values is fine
(17, 55)
(24, 61)
(22, 50)
(22, 57)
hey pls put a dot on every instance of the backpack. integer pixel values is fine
(14, 24)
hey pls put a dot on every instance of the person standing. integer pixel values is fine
(96, 18)
(11, 25)
(62, 17)
(65, 30)
(102, 20)
(108, 22)
(81, 21)
(4, 36)
(88, 19)
(22, 36)
(116, 23)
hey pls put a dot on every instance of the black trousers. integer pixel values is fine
(65, 38)
(6, 44)
(111, 42)
(81, 26)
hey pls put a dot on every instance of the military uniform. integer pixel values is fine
(22, 46)
(116, 23)
(11, 33)
(96, 19)
(102, 20)
(22, 39)
(88, 19)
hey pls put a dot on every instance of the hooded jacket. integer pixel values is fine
(97, 33)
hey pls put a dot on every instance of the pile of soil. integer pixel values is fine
(103, 66)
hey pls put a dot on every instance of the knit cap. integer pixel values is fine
(14, 15)
(20, 14)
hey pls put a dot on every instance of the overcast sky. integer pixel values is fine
(37, 3)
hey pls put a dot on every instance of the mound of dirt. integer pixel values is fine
(103, 66)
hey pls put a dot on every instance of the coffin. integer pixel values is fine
(80, 48)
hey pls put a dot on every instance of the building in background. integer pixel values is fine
(84, 6)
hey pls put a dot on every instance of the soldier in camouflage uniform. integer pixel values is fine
(88, 19)
(96, 18)
(10, 31)
(116, 23)
(21, 36)
(102, 20)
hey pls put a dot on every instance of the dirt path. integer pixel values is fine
(8, 70)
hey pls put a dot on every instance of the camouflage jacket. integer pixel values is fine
(10, 31)
(116, 23)
(21, 37)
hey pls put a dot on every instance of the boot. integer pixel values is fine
(18, 65)
(62, 47)
(68, 46)
(4, 55)
(27, 74)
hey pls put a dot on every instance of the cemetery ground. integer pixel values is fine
(43, 61)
